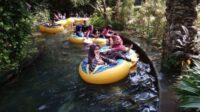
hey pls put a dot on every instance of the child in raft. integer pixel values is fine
(78, 32)
(95, 58)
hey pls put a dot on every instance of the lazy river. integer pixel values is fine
(53, 84)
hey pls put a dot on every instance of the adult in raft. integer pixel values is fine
(106, 32)
(89, 32)
(117, 50)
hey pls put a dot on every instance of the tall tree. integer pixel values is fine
(178, 44)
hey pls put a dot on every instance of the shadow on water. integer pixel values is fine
(52, 84)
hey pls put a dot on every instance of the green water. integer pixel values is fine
(52, 84)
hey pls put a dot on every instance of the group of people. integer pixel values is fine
(90, 31)
(95, 57)
(117, 51)
(58, 16)
(55, 17)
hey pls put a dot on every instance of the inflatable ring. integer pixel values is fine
(76, 40)
(65, 22)
(51, 29)
(80, 20)
(69, 21)
(100, 41)
(80, 40)
(61, 22)
(106, 74)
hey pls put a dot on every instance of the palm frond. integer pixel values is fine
(189, 88)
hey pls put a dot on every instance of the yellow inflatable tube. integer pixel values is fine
(69, 21)
(80, 20)
(107, 74)
(76, 40)
(65, 22)
(51, 29)
(100, 41)
(80, 40)
(61, 22)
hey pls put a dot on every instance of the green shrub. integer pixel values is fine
(170, 64)
(40, 15)
(98, 21)
(116, 25)
(15, 26)
(189, 88)
(149, 20)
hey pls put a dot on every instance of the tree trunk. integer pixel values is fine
(104, 10)
(178, 45)
(116, 10)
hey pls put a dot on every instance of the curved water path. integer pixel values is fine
(52, 84)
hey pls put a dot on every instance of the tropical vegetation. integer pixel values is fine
(189, 88)
(15, 26)
(166, 24)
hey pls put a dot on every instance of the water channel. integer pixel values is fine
(53, 84)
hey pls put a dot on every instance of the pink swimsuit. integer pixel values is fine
(119, 47)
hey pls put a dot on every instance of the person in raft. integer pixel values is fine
(84, 26)
(78, 32)
(118, 50)
(95, 58)
(89, 32)
(106, 32)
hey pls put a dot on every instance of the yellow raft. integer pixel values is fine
(80, 20)
(50, 29)
(76, 40)
(80, 40)
(65, 22)
(106, 74)
(61, 22)
(69, 21)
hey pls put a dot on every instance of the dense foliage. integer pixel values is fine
(18, 18)
(70, 7)
(116, 13)
(15, 26)
(189, 88)
(149, 21)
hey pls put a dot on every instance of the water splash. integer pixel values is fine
(146, 95)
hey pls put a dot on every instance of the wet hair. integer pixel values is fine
(91, 53)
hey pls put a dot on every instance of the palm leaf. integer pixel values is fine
(189, 87)
(191, 102)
